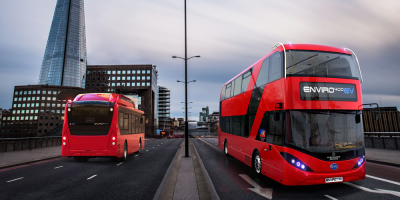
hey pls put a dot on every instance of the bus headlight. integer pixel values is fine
(113, 138)
(295, 162)
(359, 162)
(64, 143)
(113, 143)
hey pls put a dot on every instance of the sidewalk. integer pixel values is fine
(26, 156)
(385, 156)
(186, 178)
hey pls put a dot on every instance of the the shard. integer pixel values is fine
(64, 61)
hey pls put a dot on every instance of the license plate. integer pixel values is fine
(335, 179)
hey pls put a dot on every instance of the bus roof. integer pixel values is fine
(110, 97)
(310, 47)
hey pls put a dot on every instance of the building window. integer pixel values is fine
(25, 92)
(113, 84)
(123, 84)
(113, 72)
(118, 78)
(118, 84)
(148, 83)
(148, 71)
(113, 78)
(44, 92)
(133, 71)
(54, 99)
(15, 99)
(133, 84)
(143, 84)
(104, 72)
(123, 78)
(16, 93)
(88, 72)
(123, 71)
(18, 111)
(119, 72)
(138, 71)
(48, 98)
(29, 92)
(24, 99)
(108, 72)
(138, 78)
(128, 71)
(128, 84)
(143, 71)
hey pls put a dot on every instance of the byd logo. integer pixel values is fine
(309, 89)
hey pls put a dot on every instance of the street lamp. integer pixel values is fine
(192, 81)
(186, 82)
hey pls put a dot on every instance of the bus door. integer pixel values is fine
(271, 133)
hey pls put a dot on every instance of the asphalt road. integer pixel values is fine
(101, 178)
(229, 184)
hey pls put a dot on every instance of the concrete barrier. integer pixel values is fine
(390, 143)
(3, 146)
(10, 146)
(18, 145)
(25, 145)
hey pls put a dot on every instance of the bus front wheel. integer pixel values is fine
(257, 163)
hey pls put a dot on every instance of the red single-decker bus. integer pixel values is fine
(102, 125)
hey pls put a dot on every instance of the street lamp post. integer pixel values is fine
(186, 82)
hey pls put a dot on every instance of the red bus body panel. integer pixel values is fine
(288, 92)
(101, 145)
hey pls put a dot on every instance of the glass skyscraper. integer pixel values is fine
(64, 61)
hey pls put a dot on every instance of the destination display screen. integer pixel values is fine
(328, 91)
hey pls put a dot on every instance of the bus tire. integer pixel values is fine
(226, 148)
(77, 159)
(257, 163)
(125, 154)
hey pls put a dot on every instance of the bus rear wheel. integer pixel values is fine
(124, 157)
(257, 163)
(226, 148)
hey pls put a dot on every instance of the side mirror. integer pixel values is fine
(358, 118)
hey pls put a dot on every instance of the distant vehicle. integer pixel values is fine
(102, 125)
(295, 116)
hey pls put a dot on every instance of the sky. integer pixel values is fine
(229, 35)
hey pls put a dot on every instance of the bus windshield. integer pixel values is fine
(325, 131)
(320, 64)
(90, 117)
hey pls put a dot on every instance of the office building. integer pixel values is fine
(36, 110)
(139, 82)
(64, 60)
(164, 119)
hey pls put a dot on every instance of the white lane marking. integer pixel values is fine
(330, 197)
(265, 192)
(92, 177)
(136, 156)
(147, 150)
(15, 179)
(153, 147)
(382, 179)
(158, 145)
(378, 191)
(58, 167)
(119, 163)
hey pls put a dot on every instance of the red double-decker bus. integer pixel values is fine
(102, 125)
(295, 115)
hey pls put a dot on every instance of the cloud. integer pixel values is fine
(229, 36)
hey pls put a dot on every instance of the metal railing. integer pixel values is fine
(25, 143)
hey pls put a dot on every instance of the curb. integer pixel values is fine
(28, 162)
(383, 163)
(164, 180)
(210, 185)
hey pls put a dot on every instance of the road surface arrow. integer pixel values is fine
(265, 192)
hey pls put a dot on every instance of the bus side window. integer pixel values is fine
(238, 86)
(126, 122)
(275, 68)
(131, 124)
(223, 93)
(262, 78)
(246, 81)
(228, 90)
(228, 125)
